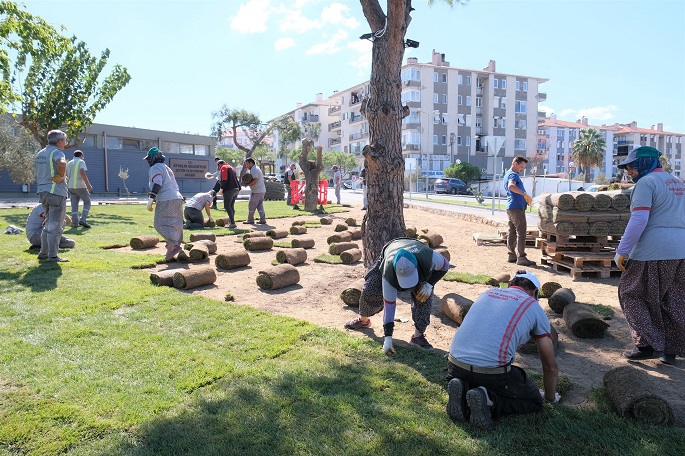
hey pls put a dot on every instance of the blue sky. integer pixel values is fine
(611, 61)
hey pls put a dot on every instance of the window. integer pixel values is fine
(201, 149)
(445, 118)
(520, 106)
(460, 79)
(444, 77)
(185, 149)
(435, 77)
(458, 140)
(468, 80)
(444, 140)
(435, 140)
(444, 98)
(170, 147)
(468, 141)
(460, 119)
(435, 98)
(479, 102)
(495, 122)
(503, 103)
(503, 123)
(114, 142)
(518, 85)
(410, 95)
(479, 122)
(436, 118)
(494, 82)
(520, 144)
(520, 124)
(459, 99)
(468, 100)
(147, 144)
(525, 86)
(89, 141)
(411, 74)
(130, 144)
(504, 83)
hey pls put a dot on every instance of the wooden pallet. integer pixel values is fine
(550, 248)
(531, 234)
(589, 268)
(488, 238)
(574, 240)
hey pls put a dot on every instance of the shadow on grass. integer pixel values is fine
(42, 277)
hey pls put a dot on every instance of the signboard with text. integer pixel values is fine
(188, 169)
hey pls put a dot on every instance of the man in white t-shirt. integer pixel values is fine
(257, 192)
(337, 182)
(79, 189)
(34, 229)
(193, 210)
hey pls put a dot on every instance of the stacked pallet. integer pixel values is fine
(579, 231)
(501, 236)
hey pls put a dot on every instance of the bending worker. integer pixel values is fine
(405, 264)
(193, 210)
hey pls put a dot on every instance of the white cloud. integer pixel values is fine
(284, 43)
(546, 109)
(337, 13)
(329, 47)
(602, 113)
(251, 17)
(363, 60)
(294, 21)
(568, 113)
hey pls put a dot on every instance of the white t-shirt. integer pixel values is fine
(74, 167)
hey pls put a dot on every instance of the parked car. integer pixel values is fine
(596, 188)
(453, 186)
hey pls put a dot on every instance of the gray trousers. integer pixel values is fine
(256, 203)
(55, 209)
(516, 239)
(337, 193)
(76, 195)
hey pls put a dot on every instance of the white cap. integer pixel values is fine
(405, 269)
(530, 276)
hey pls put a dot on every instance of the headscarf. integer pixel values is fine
(646, 162)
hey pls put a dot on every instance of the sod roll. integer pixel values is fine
(494, 281)
(163, 278)
(583, 201)
(199, 252)
(183, 257)
(434, 239)
(254, 234)
(356, 234)
(581, 229)
(548, 288)
(345, 236)
(223, 221)
(442, 250)
(350, 256)
(292, 256)
(531, 347)
(305, 243)
(202, 236)
(277, 234)
(561, 298)
(584, 322)
(350, 295)
(258, 243)
(410, 231)
(599, 229)
(564, 201)
(211, 246)
(210, 224)
(634, 396)
(340, 227)
(193, 278)
(299, 223)
(143, 242)
(340, 247)
(326, 220)
(619, 201)
(601, 201)
(455, 307)
(232, 260)
(298, 229)
(617, 228)
(277, 277)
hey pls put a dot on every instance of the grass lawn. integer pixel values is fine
(96, 361)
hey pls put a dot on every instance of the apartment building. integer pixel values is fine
(556, 137)
(454, 114)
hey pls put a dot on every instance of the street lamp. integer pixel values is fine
(571, 168)
(453, 138)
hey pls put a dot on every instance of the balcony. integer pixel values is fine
(334, 126)
(355, 98)
(411, 83)
(310, 118)
(356, 136)
(356, 118)
(334, 141)
(411, 147)
(334, 110)
(541, 96)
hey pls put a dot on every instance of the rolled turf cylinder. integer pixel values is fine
(254, 234)
(599, 229)
(345, 236)
(350, 295)
(292, 256)
(326, 220)
(584, 322)
(209, 224)
(356, 234)
(563, 201)
(434, 239)
(211, 246)
(193, 278)
(202, 236)
(634, 396)
(455, 307)
(280, 276)
(277, 234)
(305, 243)
(351, 221)
(232, 260)
(583, 201)
(617, 228)
(198, 253)
(495, 281)
(410, 231)
(299, 223)
(143, 242)
(298, 230)
(339, 247)
(163, 278)
(258, 243)
(548, 288)
(531, 347)
(602, 202)
(223, 221)
(561, 298)
(340, 227)
(620, 201)
(350, 256)
(442, 250)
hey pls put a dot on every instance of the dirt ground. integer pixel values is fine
(316, 299)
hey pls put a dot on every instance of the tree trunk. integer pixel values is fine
(311, 174)
(384, 218)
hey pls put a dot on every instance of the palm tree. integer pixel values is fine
(588, 150)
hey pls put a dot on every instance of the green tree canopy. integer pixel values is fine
(17, 150)
(347, 162)
(464, 171)
(588, 150)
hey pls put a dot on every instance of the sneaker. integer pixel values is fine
(357, 324)
(232, 225)
(420, 341)
(639, 353)
(511, 259)
(481, 408)
(57, 260)
(667, 358)
(456, 402)
(363, 208)
(42, 256)
(84, 224)
(74, 226)
(248, 222)
(525, 262)
(261, 222)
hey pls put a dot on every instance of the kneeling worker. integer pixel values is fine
(35, 223)
(483, 383)
(405, 264)
(193, 210)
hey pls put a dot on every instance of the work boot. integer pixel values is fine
(523, 261)
(456, 402)
(481, 408)
(84, 224)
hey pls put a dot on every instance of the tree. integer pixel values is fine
(538, 156)
(25, 37)
(311, 170)
(264, 153)
(17, 151)
(464, 171)
(588, 150)
(384, 218)
(230, 156)
(345, 161)
(665, 161)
